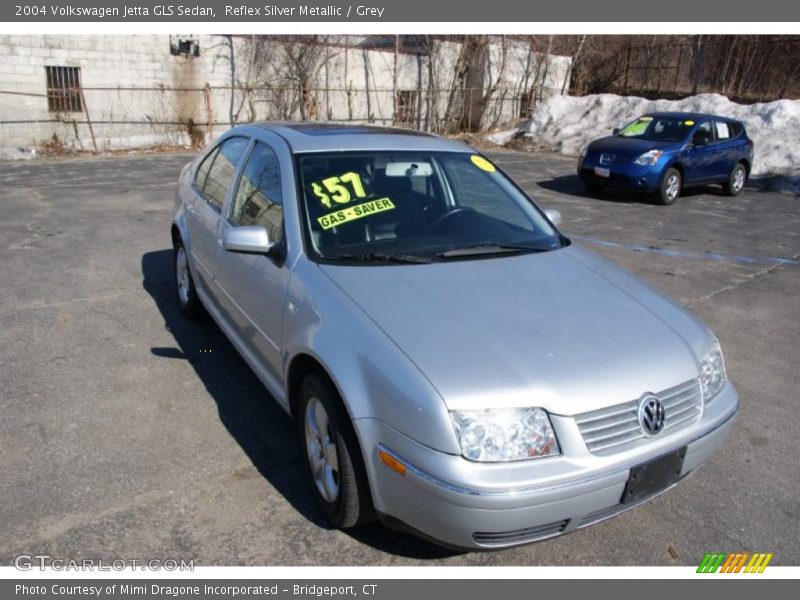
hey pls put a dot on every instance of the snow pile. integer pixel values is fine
(565, 124)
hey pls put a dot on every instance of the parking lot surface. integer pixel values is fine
(127, 432)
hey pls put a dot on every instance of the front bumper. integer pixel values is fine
(472, 505)
(629, 176)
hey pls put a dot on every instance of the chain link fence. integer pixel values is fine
(110, 118)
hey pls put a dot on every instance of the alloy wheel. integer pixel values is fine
(182, 275)
(673, 187)
(321, 448)
(738, 180)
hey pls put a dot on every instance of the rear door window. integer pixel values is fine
(215, 172)
(704, 130)
(735, 129)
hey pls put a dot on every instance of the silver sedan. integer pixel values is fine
(457, 367)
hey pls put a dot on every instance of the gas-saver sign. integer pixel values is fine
(356, 211)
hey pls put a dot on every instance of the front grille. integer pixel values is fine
(603, 514)
(616, 428)
(518, 536)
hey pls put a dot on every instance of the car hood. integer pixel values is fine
(630, 146)
(564, 330)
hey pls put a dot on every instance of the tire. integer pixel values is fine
(670, 187)
(185, 292)
(333, 456)
(736, 181)
(594, 187)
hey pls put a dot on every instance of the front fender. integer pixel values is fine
(373, 376)
(179, 221)
(179, 214)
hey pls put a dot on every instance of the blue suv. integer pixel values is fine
(663, 153)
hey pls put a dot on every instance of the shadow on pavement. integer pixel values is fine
(250, 414)
(571, 185)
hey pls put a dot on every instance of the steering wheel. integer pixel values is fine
(449, 215)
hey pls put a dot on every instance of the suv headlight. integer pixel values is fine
(498, 435)
(712, 372)
(648, 158)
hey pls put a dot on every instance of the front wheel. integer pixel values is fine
(670, 187)
(736, 181)
(335, 464)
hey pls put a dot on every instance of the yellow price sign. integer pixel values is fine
(332, 190)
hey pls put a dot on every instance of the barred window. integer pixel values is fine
(64, 89)
(406, 106)
(526, 105)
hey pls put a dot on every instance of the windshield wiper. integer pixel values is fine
(380, 257)
(490, 248)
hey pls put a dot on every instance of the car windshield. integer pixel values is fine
(403, 207)
(665, 129)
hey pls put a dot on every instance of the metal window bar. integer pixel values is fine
(64, 89)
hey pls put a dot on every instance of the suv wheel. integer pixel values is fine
(670, 186)
(736, 181)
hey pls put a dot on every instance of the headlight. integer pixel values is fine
(712, 372)
(504, 434)
(648, 158)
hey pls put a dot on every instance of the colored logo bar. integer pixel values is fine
(734, 562)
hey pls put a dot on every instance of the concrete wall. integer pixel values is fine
(107, 61)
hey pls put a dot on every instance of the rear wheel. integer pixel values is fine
(188, 300)
(670, 187)
(335, 465)
(736, 181)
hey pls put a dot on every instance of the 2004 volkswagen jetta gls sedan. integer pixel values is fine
(456, 366)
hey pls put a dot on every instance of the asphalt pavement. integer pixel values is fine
(127, 432)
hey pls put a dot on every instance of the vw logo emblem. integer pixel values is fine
(651, 414)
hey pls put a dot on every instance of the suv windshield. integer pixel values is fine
(672, 129)
(403, 207)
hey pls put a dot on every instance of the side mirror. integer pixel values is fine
(616, 131)
(253, 239)
(554, 216)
